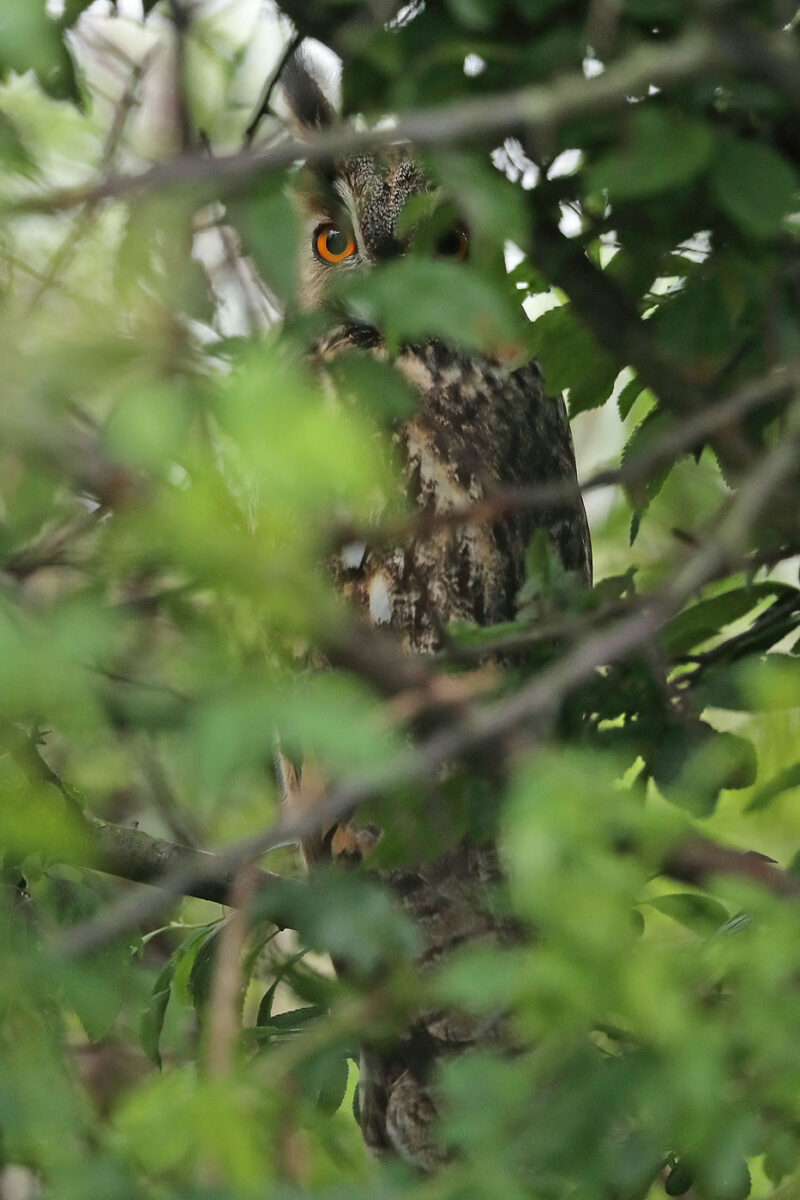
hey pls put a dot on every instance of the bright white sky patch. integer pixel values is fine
(474, 65)
(570, 221)
(566, 163)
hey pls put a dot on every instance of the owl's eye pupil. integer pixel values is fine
(336, 241)
(453, 243)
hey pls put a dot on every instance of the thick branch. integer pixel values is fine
(542, 110)
(135, 855)
(697, 860)
(502, 725)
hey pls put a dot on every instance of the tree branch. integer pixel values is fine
(473, 730)
(696, 860)
(137, 856)
(541, 109)
(262, 108)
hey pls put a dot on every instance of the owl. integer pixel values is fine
(478, 425)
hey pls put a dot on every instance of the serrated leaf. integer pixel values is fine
(649, 430)
(31, 41)
(570, 357)
(628, 396)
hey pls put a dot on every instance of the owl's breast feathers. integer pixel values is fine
(479, 428)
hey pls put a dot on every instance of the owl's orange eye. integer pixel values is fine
(332, 244)
(454, 243)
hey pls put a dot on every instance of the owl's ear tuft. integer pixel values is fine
(306, 91)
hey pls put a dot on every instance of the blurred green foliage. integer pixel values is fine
(172, 477)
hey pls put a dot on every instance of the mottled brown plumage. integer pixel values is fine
(478, 426)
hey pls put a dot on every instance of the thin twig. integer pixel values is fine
(181, 21)
(225, 1001)
(261, 111)
(75, 235)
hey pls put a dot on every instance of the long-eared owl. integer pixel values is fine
(478, 426)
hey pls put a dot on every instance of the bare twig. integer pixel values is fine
(181, 21)
(75, 235)
(261, 111)
(224, 1010)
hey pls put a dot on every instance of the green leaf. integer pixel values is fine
(663, 150)
(350, 918)
(151, 1022)
(202, 973)
(726, 1180)
(418, 298)
(292, 1021)
(785, 781)
(650, 430)
(628, 396)
(264, 1015)
(31, 41)
(571, 358)
(492, 207)
(704, 761)
(782, 1157)
(706, 618)
(754, 185)
(267, 221)
(14, 154)
(679, 1180)
(544, 571)
(701, 914)
(331, 1083)
(694, 326)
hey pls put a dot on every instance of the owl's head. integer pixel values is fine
(352, 210)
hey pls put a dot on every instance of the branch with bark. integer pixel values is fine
(514, 722)
(541, 110)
